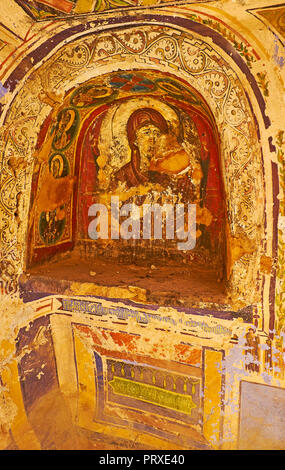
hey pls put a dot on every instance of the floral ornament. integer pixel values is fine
(240, 47)
(263, 83)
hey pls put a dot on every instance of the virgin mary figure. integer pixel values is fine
(156, 155)
(144, 128)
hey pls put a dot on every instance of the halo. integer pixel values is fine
(71, 119)
(104, 93)
(113, 140)
(58, 157)
(72, 123)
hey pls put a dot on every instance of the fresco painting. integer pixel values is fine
(48, 9)
(127, 342)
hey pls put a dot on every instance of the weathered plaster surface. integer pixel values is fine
(57, 351)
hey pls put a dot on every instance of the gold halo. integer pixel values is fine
(71, 120)
(61, 162)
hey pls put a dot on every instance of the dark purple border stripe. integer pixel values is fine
(27, 294)
(272, 147)
(137, 20)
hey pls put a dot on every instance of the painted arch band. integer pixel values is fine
(146, 222)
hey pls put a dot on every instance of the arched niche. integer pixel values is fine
(206, 71)
(89, 139)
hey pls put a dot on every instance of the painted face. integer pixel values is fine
(146, 138)
(55, 168)
(64, 120)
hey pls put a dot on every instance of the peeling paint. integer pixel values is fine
(117, 344)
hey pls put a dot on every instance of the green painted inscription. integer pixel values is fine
(152, 394)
